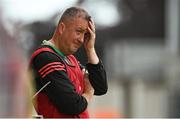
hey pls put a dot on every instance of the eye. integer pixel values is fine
(86, 34)
(78, 32)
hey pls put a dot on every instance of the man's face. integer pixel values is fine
(73, 35)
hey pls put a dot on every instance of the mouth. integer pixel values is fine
(77, 45)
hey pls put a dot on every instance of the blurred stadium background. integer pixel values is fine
(138, 40)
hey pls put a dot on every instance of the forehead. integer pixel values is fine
(79, 23)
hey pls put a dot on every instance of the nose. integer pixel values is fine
(81, 39)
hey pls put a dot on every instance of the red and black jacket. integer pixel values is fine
(62, 97)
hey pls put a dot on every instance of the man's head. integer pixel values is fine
(72, 13)
(71, 30)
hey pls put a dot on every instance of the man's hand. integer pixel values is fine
(89, 43)
(88, 89)
(90, 37)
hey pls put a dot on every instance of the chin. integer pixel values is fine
(72, 51)
(75, 49)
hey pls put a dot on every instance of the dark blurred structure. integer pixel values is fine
(41, 31)
(141, 19)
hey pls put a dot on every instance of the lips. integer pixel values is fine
(77, 45)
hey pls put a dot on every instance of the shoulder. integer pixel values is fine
(43, 56)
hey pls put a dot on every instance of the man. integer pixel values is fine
(64, 87)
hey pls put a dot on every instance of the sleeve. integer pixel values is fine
(60, 91)
(97, 76)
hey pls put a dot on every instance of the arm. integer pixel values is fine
(60, 91)
(97, 73)
(97, 77)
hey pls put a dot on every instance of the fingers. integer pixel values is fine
(90, 30)
(92, 25)
(92, 21)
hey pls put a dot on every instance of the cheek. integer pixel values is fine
(68, 36)
(75, 35)
(71, 39)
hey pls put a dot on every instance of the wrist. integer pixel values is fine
(90, 49)
(92, 56)
(88, 96)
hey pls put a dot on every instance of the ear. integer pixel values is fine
(61, 28)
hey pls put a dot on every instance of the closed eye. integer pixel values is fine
(79, 32)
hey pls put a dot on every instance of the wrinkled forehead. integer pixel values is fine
(78, 22)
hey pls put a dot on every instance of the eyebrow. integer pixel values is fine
(82, 30)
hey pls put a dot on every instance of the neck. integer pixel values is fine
(56, 41)
(53, 42)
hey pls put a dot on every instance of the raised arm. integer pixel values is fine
(97, 73)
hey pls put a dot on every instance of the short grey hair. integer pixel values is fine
(74, 12)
